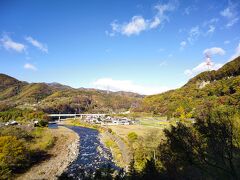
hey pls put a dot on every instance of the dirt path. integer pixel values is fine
(62, 154)
(125, 151)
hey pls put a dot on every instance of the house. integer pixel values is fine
(12, 123)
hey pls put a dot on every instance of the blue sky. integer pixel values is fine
(146, 46)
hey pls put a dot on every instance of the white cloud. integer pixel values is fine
(155, 23)
(37, 44)
(126, 85)
(9, 44)
(135, 26)
(30, 67)
(236, 54)
(183, 45)
(227, 13)
(138, 24)
(201, 68)
(213, 51)
(231, 14)
(204, 66)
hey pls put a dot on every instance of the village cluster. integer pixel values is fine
(101, 119)
(107, 120)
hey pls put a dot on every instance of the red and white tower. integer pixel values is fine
(208, 62)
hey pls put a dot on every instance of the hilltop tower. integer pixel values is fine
(208, 62)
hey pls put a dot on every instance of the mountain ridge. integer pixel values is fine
(229, 69)
(50, 97)
(221, 87)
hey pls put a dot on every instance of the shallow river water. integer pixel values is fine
(92, 153)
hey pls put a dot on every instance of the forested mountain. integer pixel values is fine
(55, 97)
(216, 87)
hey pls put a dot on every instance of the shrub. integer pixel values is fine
(43, 123)
(13, 155)
(18, 132)
(132, 137)
(109, 130)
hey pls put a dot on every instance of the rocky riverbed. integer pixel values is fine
(92, 154)
(63, 153)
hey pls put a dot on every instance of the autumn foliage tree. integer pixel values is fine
(208, 149)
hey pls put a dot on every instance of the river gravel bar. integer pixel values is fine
(63, 153)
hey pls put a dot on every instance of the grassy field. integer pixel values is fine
(140, 130)
(145, 126)
(154, 122)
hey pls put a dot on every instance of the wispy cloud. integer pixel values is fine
(201, 30)
(189, 9)
(138, 23)
(231, 14)
(193, 34)
(209, 26)
(161, 50)
(232, 22)
(9, 44)
(163, 63)
(210, 22)
(126, 85)
(183, 45)
(211, 29)
(226, 42)
(30, 67)
(37, 44)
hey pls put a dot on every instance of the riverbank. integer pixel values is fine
(122, 155)
(76, 122)
(64, 151)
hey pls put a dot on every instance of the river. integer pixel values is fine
(92, 153)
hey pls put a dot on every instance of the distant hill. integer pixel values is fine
(6, 81)
(58, 86)
(221, 87)
(57, 98)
